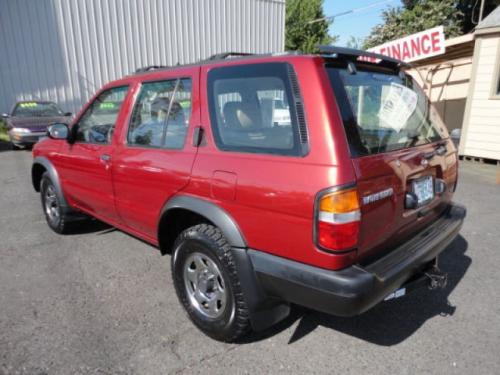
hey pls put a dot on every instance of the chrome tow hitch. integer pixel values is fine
(437, 278)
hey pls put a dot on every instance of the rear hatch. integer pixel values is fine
(405, 164)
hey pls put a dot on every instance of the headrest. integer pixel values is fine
(242, 115)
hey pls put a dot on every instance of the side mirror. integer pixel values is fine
(5, 115)
(68, 114)
(58, 131)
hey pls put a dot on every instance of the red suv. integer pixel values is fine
(320, 180)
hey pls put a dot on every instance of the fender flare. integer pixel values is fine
(54, 176)
(212, 212)
(264, 311)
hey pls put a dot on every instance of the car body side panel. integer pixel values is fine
(274, 195)
(144, 178)
(85, 175)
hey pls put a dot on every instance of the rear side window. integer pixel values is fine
(36, 109)
(383, 111)
(253, 109)
(161, 114)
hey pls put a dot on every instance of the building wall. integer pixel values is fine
(481, 134)
(65, 50)
(447, 79)
(447, 85)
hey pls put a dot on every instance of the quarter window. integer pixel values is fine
(98, 122)
(161, 114)
(252, 109)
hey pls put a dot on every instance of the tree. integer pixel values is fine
(354, 42)
(470, 10)
(300, 33)
(409, 4)
(418, 16)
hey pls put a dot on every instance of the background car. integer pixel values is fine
(28, 121)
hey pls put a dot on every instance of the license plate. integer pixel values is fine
(424, 189)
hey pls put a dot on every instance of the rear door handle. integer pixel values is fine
(105, 158)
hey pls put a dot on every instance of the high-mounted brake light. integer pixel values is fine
(337, 220)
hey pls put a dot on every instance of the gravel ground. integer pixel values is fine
(102, 302)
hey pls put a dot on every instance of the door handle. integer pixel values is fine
(105, 158)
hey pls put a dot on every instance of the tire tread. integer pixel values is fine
(241, 325)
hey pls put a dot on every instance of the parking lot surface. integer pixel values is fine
(102, 302)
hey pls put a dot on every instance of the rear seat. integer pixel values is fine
(245, 127)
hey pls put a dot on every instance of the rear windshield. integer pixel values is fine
(383, 111)
(36, 109)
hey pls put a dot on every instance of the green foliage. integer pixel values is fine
(418, 15)
(470, 9)
(300, 33)
(353, 42)
(3, 131)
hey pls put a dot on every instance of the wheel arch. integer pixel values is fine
(264, 311)
(39, 167)
(184, 211)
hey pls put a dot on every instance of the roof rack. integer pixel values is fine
(354, 54)
(225, 55)
(149, 68)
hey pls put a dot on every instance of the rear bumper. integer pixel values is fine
(355, 289)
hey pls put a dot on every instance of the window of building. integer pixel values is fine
(495, 86)
(98, 122)
(161, 114)
(498, 83)
(250, 109)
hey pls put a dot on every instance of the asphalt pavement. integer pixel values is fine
(102, 302)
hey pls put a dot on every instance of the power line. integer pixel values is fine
(355, 10)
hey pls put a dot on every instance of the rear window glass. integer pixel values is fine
(252, 110)
(36, 109)
(383, 112)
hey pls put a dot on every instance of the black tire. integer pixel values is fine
(209, 241)
(57, 219)
(14, 147)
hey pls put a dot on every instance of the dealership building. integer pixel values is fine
(463, 82)
(461, 76)
(64, 51)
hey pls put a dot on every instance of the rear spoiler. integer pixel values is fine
(355, 55)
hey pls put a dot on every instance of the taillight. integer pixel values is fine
(337, 220)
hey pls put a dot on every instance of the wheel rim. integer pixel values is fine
(51, 205)
(204, 285)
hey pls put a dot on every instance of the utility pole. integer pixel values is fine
(481, 11)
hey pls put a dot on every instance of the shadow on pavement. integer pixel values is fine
(5, 146)
(90, 225)
(388, 323)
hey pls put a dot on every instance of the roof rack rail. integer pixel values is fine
(225, 55)
(354, 54)
(149, 68)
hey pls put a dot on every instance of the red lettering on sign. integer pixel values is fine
(435, 41)
(406, 51)
(396, 51)
(425, 46)
(415, 47)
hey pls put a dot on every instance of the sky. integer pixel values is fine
(358, 24)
